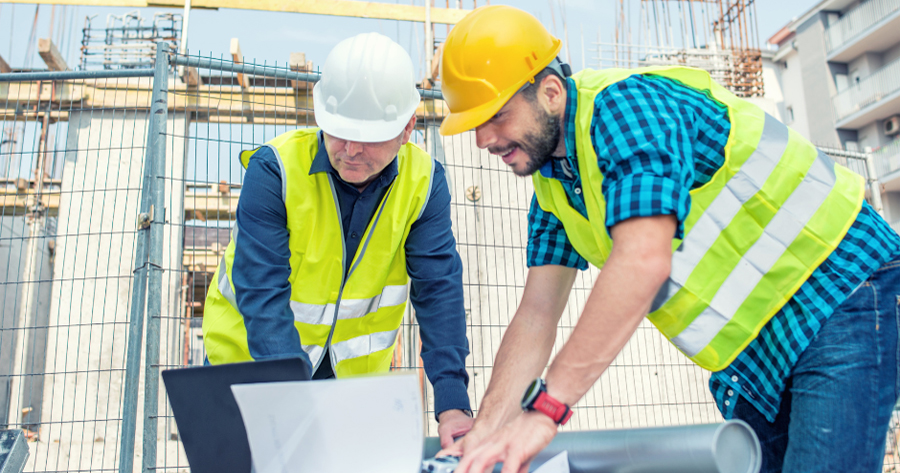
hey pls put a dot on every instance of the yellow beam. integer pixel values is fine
(17, 203)
(4, 67)
(347, 8)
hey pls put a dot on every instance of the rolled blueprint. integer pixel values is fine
(730, 447)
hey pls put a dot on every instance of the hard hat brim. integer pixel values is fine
(358, 130)
(460, 122)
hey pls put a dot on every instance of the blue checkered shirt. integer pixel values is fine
(657, 139)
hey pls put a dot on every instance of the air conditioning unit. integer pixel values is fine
(892, 125)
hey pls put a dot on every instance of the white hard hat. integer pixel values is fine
(367, 92)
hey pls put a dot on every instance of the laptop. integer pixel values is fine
(208, 419)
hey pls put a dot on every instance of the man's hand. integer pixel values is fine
(515, 445)
(452, 424)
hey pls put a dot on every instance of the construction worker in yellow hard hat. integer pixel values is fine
(332, 225)
(783, 281)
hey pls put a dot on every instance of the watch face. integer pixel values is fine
(531, 394)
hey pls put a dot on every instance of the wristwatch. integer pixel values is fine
(537, 399)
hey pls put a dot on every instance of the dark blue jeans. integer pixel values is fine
(836, 407)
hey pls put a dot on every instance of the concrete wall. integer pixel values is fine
(817, 82)
(25, 306)
(891, 202)
(794, 110)
(92, 287)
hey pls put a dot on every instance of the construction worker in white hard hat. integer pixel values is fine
(332, 223)
(748, 248)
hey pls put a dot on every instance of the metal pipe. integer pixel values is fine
(141, 270)
(156, 159)
(265, 71)
(73, 75)
(874, 188)
(730, 447)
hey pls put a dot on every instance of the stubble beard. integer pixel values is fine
(539, 146)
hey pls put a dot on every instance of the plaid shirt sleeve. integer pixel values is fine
(642, 136)
(548, 242)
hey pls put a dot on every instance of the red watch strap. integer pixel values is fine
(559, 412)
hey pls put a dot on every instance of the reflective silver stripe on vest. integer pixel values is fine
(283, 173)
(363, 345)
(225, 285)
(781, 231)
(739, 189)
(314, 352)
(322, 314)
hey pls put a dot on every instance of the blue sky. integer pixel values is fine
(270, 36)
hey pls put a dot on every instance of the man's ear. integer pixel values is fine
(408, 130)
(553, 93)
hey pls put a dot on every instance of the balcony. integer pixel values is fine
(875, 97)
(871, 26)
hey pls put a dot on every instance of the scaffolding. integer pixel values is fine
(719, 36)
(127, 41)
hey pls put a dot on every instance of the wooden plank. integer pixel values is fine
(191, 77)
(346, 8)
(51, 55)
(299, 63)
(238, 58)
(4, 67)
(282, 105)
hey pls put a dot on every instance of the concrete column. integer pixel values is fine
(91, 291)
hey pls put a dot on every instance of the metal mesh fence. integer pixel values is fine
(72, 159)
(133, 200)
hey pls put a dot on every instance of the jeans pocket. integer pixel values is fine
(897, 360)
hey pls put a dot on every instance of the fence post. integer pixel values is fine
(156, 149)
(874, 188)
(150, 209)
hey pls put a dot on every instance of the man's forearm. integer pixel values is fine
(620, 299)
(527, 344)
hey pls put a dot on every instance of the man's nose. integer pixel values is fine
(353, 148)
(485, 136)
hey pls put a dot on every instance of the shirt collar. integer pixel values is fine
(321, 163)
(569, 119)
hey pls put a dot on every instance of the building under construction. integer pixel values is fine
(104, 286)
(720, 36)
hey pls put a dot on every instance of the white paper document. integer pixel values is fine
(557, 464)
(359, 425)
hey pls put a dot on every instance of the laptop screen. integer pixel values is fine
(209, 421)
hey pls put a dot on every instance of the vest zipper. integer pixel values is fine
(337, 304)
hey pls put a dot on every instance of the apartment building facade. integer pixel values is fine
(838, 70)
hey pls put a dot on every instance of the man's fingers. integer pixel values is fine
(513, 463)
(452, 450)
(482, 459)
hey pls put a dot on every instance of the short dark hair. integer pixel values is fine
(530, 92)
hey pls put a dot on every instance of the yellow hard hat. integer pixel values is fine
(488, 57)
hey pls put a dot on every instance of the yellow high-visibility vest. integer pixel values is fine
(772, 213)
(357, 317)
